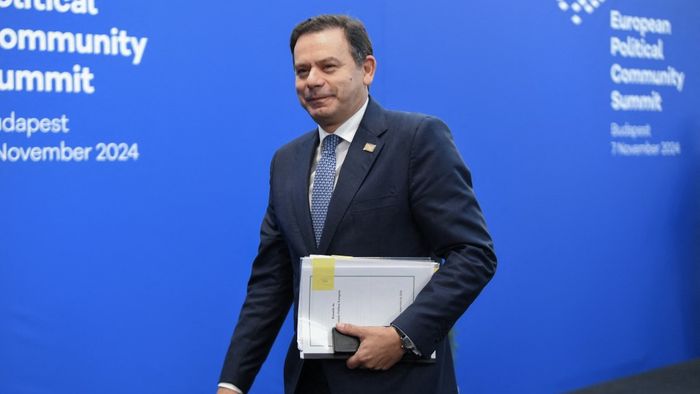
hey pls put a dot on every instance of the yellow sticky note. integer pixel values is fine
(322, 273)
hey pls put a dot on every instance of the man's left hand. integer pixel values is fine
(380, 347)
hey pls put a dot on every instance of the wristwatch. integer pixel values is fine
(406, 343)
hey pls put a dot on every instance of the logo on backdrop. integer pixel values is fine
(641, 78)
(42, 137)
(579, 8)
(644, 84)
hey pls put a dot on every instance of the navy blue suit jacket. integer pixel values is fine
(410, 197)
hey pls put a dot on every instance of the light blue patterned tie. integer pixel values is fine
(323, 184)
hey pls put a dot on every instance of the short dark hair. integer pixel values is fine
(355, 33)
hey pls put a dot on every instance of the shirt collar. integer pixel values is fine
(347, 130)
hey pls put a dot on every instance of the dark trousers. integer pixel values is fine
(312, 379)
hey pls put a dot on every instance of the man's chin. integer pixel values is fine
(326, 121)
(319, 113)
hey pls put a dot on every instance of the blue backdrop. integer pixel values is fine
(124, 272)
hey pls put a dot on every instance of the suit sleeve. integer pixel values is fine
(450, 219)
(269, 297)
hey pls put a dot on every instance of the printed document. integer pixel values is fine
(357, 290)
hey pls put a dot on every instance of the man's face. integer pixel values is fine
(329, 84)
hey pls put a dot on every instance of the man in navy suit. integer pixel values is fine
(397, 188)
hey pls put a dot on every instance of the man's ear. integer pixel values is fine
(369, 66)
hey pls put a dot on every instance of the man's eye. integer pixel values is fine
(330, 67)
(302, 72)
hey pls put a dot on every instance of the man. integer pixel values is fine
(367, 182)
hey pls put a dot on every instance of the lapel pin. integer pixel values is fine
(369, 147)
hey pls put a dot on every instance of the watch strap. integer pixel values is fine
(406, 343)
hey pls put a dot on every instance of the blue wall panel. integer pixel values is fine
(127, 276)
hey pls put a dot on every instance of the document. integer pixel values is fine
(357, 290)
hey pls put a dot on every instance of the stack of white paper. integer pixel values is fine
(358, 290)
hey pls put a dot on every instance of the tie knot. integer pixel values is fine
(330, 143)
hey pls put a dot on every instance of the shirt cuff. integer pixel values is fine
(230, 387)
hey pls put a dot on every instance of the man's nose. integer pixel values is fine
(315, 78)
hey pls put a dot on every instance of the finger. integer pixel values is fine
(349, 329)
(353, 362)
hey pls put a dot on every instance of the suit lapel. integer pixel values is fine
(357, 164)
(304, 157)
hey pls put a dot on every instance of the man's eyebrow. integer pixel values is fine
(330, 59)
